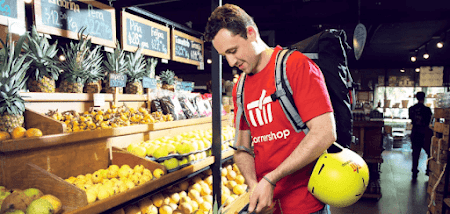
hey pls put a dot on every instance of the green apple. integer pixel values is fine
(160, 152)
(33, 193)
(171, 163)
(183, 161)
(40, 206)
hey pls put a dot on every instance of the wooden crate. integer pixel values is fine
(435, 167)
(439, 149)
(432, 180)
(442, 113)
(442, 128)
(46, 124)
(237, 205)
(74, 198)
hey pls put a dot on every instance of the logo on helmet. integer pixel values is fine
(354, 165)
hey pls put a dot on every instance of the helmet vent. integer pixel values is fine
(321, 169)
(312, 191)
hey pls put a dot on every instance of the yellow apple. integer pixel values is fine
(157, 173)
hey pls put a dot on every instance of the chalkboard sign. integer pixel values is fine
(186, 48)
(117, 80)
(148, 82)
(12, 12)
(152, 37)
(66, 17)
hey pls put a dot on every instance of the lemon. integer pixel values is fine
(33, 132)
(4, 136)
(18, 132)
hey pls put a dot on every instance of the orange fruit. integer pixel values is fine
(18, 132)
(33, 132)
(4, 136)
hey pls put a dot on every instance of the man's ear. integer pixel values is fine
(251, 33)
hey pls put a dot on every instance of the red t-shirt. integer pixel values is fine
(273, 136)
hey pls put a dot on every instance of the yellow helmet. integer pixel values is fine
(339, 179)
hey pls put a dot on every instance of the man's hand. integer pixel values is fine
(261, 198)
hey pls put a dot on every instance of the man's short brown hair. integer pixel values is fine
(230, 17)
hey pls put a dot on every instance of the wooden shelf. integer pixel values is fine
(14, 145)
(120, 198)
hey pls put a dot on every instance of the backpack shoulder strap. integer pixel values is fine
(284, 92)
(240, 105)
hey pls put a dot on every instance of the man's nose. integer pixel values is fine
(231, 60)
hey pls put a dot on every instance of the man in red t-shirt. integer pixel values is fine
(279, 172)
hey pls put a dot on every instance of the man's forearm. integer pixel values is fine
(311, 147)
(246, 164)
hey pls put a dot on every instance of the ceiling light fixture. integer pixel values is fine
(440, 44)
(209, 61)
(402, 70)
(417, 70)
(413, 58)
(426, 55)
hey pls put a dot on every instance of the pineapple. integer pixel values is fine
(44, 70)
(115, 64)
(167, 79)
(80, 60)
(13, 70)
(95, 75)
(135, 72)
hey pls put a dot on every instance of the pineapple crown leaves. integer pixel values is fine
(13, 79)
(96, 71)
(167, 77)
(135, 66)
(80, 59)
(116, 61)
(42, 54)
(151, 65)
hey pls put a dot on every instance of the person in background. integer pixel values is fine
(420, 116)
(279, 171)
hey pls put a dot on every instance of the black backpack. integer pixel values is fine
(328, 49)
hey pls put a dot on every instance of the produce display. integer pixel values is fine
(105, 183)
(105, 119)
(29, 201)
(13, 69)
(180, 150)
(20, 132)
(192, 196)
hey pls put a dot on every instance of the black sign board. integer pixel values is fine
(66, 18)
(140, 32)
(117, 80)
(9, 8)
(12, 11)
(148, 82)
(186, 48)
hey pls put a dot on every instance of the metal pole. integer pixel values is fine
(216, 76)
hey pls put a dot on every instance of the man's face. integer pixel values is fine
(238, 51)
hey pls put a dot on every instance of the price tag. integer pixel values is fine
(148, 82)
(117, 80)
(99, 100)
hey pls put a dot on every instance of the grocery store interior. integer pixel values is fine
(121, 106)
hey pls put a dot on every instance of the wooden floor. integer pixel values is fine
(400, 195)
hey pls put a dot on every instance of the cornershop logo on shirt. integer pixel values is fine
(260, 109)
(272, 136)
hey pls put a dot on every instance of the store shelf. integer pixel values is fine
(153, 186)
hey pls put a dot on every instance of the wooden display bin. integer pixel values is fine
(237, 205)
(75, 199)
(44, 123)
